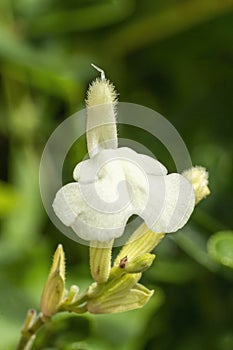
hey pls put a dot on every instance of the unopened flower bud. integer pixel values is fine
(143, 240)
(100, 260)
(119, 295)
(140, 263)
(54, 289)
(72, 295)
(198, 177)
(101, 122)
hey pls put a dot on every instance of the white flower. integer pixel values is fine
(116, 183)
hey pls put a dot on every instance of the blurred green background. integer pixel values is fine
(174, 56)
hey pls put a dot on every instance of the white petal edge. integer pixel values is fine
(88, 223)
(170, 204)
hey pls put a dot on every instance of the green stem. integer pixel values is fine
(75, 309)
(77, 306)
(79, 301)
(33, 323)
(28, 333)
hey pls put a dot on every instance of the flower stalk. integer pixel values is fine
(32, 324)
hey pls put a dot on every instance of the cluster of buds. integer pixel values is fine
(116, 289)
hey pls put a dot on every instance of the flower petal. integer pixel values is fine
(74, 210)
(64, 203)
(152, 166)
(115, 184)
(87, 171)
(170, 204)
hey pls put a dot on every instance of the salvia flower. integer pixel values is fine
(116, 183)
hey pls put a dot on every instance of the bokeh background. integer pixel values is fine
(174, 56)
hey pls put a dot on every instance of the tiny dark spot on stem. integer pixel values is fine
(123, 262)
(32, 311)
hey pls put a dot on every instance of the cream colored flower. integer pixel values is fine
(116, 183)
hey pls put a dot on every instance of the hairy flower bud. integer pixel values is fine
(198, 177)
(100, 260)
(101, 122)
(54, 289)
(118, 295)
(140, 264)
(142, 241)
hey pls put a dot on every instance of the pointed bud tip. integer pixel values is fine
(54, 289)
(59, 261)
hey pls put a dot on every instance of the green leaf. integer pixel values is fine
(220, 247)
